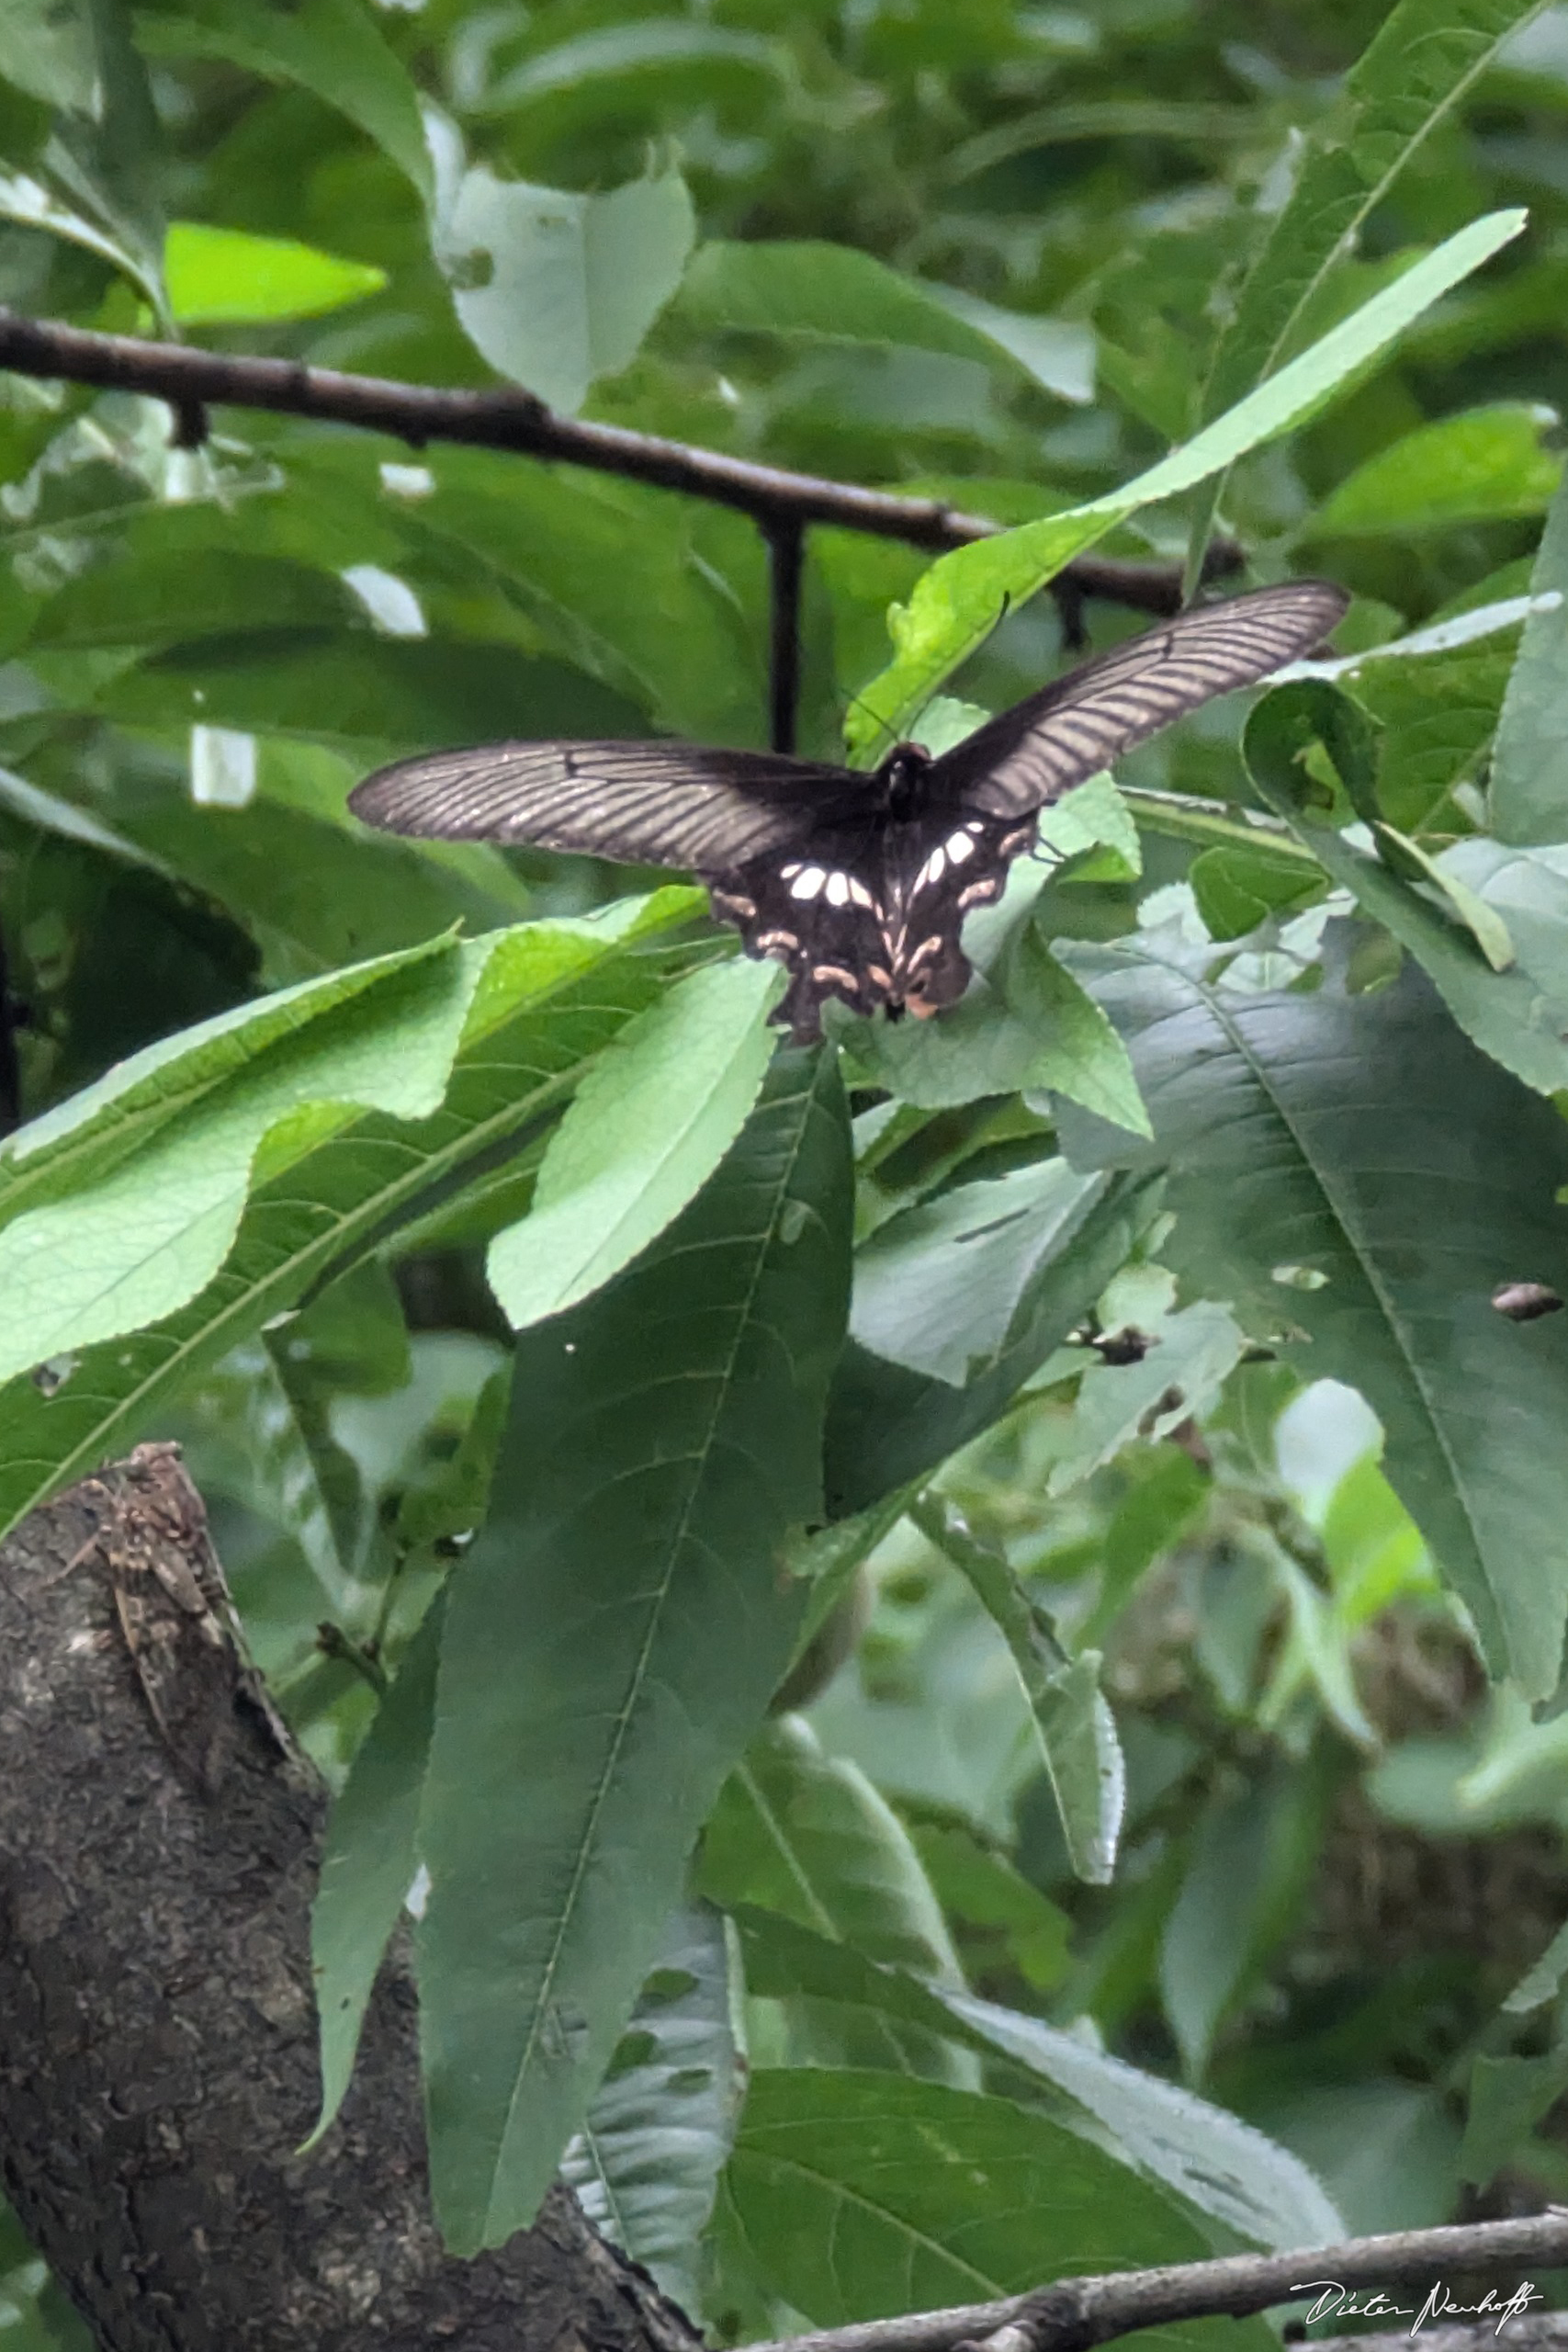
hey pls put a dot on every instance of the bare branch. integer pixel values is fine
(506, 418)
(785, 548)
(1075, 2314)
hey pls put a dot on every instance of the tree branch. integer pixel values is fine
(158, 2073)
(1075, 2314)
(506, 418)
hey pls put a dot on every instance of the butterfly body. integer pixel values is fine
(867, 915)
(859, 884)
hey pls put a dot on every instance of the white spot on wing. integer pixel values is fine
(858, 895)
(960, 846)
(932, 870)
(838, 889)
(807, 883)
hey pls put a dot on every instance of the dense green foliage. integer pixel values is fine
(1106, 1377)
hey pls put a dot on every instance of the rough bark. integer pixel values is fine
(158, 1842)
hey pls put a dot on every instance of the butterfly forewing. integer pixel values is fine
(1042, 747)
(860, 883)
(646, 804)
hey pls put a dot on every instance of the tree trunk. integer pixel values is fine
(158, 1839)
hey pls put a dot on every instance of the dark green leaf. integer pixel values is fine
(1411, 1213)
(863, 2195)
(613, 1638)
(888, 1424)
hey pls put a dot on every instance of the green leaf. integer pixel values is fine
(611, 573)
(1026, 1027)
(369, 1855)
(835, 294)
(1217, 2163)
(806, 1835)
(1192, 1350)
(959, 601)
(888, 1424)
(1425, 57)
(1092, 814)
(1485, 925)
(33, 203)
(126, 1111)
(1238, 888)
(153, 599)
(137, 1239)
(550, 997)
(1081, 1055)
(1528, 794)
(364, 695)
(861, 2195)
(1014, 1923)
(937, 1288)
(644, 1132)
(1508, 2097)
(1518, 1016)
(1078, 1735)
(1436, 712)
(1483, 463)
(49, 51)
(215, 276)
(454, 1501)
(659, 2131)
(1262, 1141)
(664, 1439)
(556, 289)
(705, 63)
(330, 46)
(1254, 1850)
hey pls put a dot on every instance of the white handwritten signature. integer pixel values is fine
(1335, 2302)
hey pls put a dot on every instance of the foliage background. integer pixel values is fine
(1341, 1843)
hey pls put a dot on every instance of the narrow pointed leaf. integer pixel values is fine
(613, 1637)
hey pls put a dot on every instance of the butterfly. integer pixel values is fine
(858, 882)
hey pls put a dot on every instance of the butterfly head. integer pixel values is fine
(901, 778)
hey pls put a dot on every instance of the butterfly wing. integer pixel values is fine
(1043, 746)
(704, 811)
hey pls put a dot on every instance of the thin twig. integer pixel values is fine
(1075, 2314)
(509, 419)
(785, 550)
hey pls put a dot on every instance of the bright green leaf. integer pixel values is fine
(1485, 462)
(645, 1131)
(958, 601)
(215, 276)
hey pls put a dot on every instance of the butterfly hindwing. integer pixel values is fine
(1032, 753)
(871, 914)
